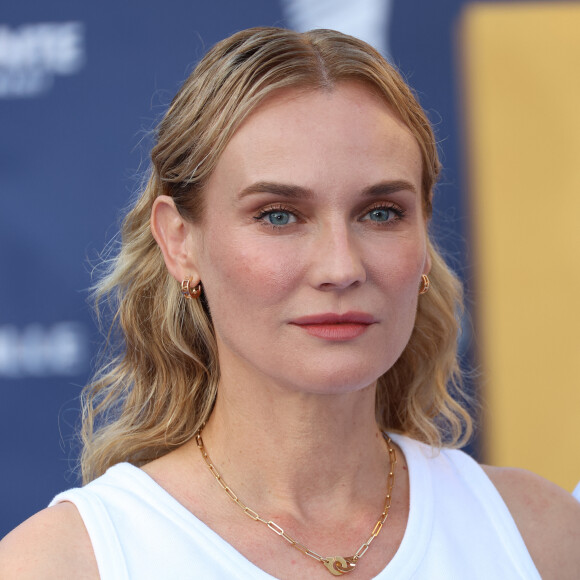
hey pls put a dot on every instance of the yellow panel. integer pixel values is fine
(521, 73)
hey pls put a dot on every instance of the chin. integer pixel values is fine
(335, 381)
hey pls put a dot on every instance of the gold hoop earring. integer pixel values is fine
(425, 284)
(189, 292)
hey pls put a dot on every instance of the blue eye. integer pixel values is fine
(276, 217)
(279, 218)
(382, 215)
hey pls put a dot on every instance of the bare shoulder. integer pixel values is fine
(547, 516)
(52, 544)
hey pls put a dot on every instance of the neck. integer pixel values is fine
(292, 449)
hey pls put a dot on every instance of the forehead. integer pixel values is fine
(310, 135)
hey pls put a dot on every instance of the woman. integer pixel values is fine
(289, 341)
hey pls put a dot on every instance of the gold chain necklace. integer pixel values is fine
(336, 565)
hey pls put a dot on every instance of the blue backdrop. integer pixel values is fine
(81, 86)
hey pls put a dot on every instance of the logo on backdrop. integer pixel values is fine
(366, 19)
(32, 55)
(43, 351)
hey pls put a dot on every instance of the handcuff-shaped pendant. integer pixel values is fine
(337, 565)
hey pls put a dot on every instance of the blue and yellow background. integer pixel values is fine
(81, 87)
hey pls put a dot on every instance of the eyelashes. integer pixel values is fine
(383, 213)
(279, 216)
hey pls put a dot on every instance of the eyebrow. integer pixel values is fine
(281, 189)
(296, 191)
(388, 188)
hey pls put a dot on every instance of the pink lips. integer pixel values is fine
(336, 327)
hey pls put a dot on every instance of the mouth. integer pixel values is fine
(336, 327)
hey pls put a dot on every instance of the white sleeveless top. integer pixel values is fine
(458, 527)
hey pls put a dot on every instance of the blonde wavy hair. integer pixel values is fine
(158, 381)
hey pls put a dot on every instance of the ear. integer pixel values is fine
(428, 260)
(427, 263)
(173, 234)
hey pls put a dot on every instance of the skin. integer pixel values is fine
(331, 257)
(267, 256)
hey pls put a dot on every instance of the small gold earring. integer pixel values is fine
(425, 284)
(189, 292)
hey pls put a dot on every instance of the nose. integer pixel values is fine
(337, 261)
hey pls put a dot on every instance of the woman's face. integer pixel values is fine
(313, 242)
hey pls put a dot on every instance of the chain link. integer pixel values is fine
(279, 531)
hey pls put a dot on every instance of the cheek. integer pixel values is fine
(398, 269)
(248, 269)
